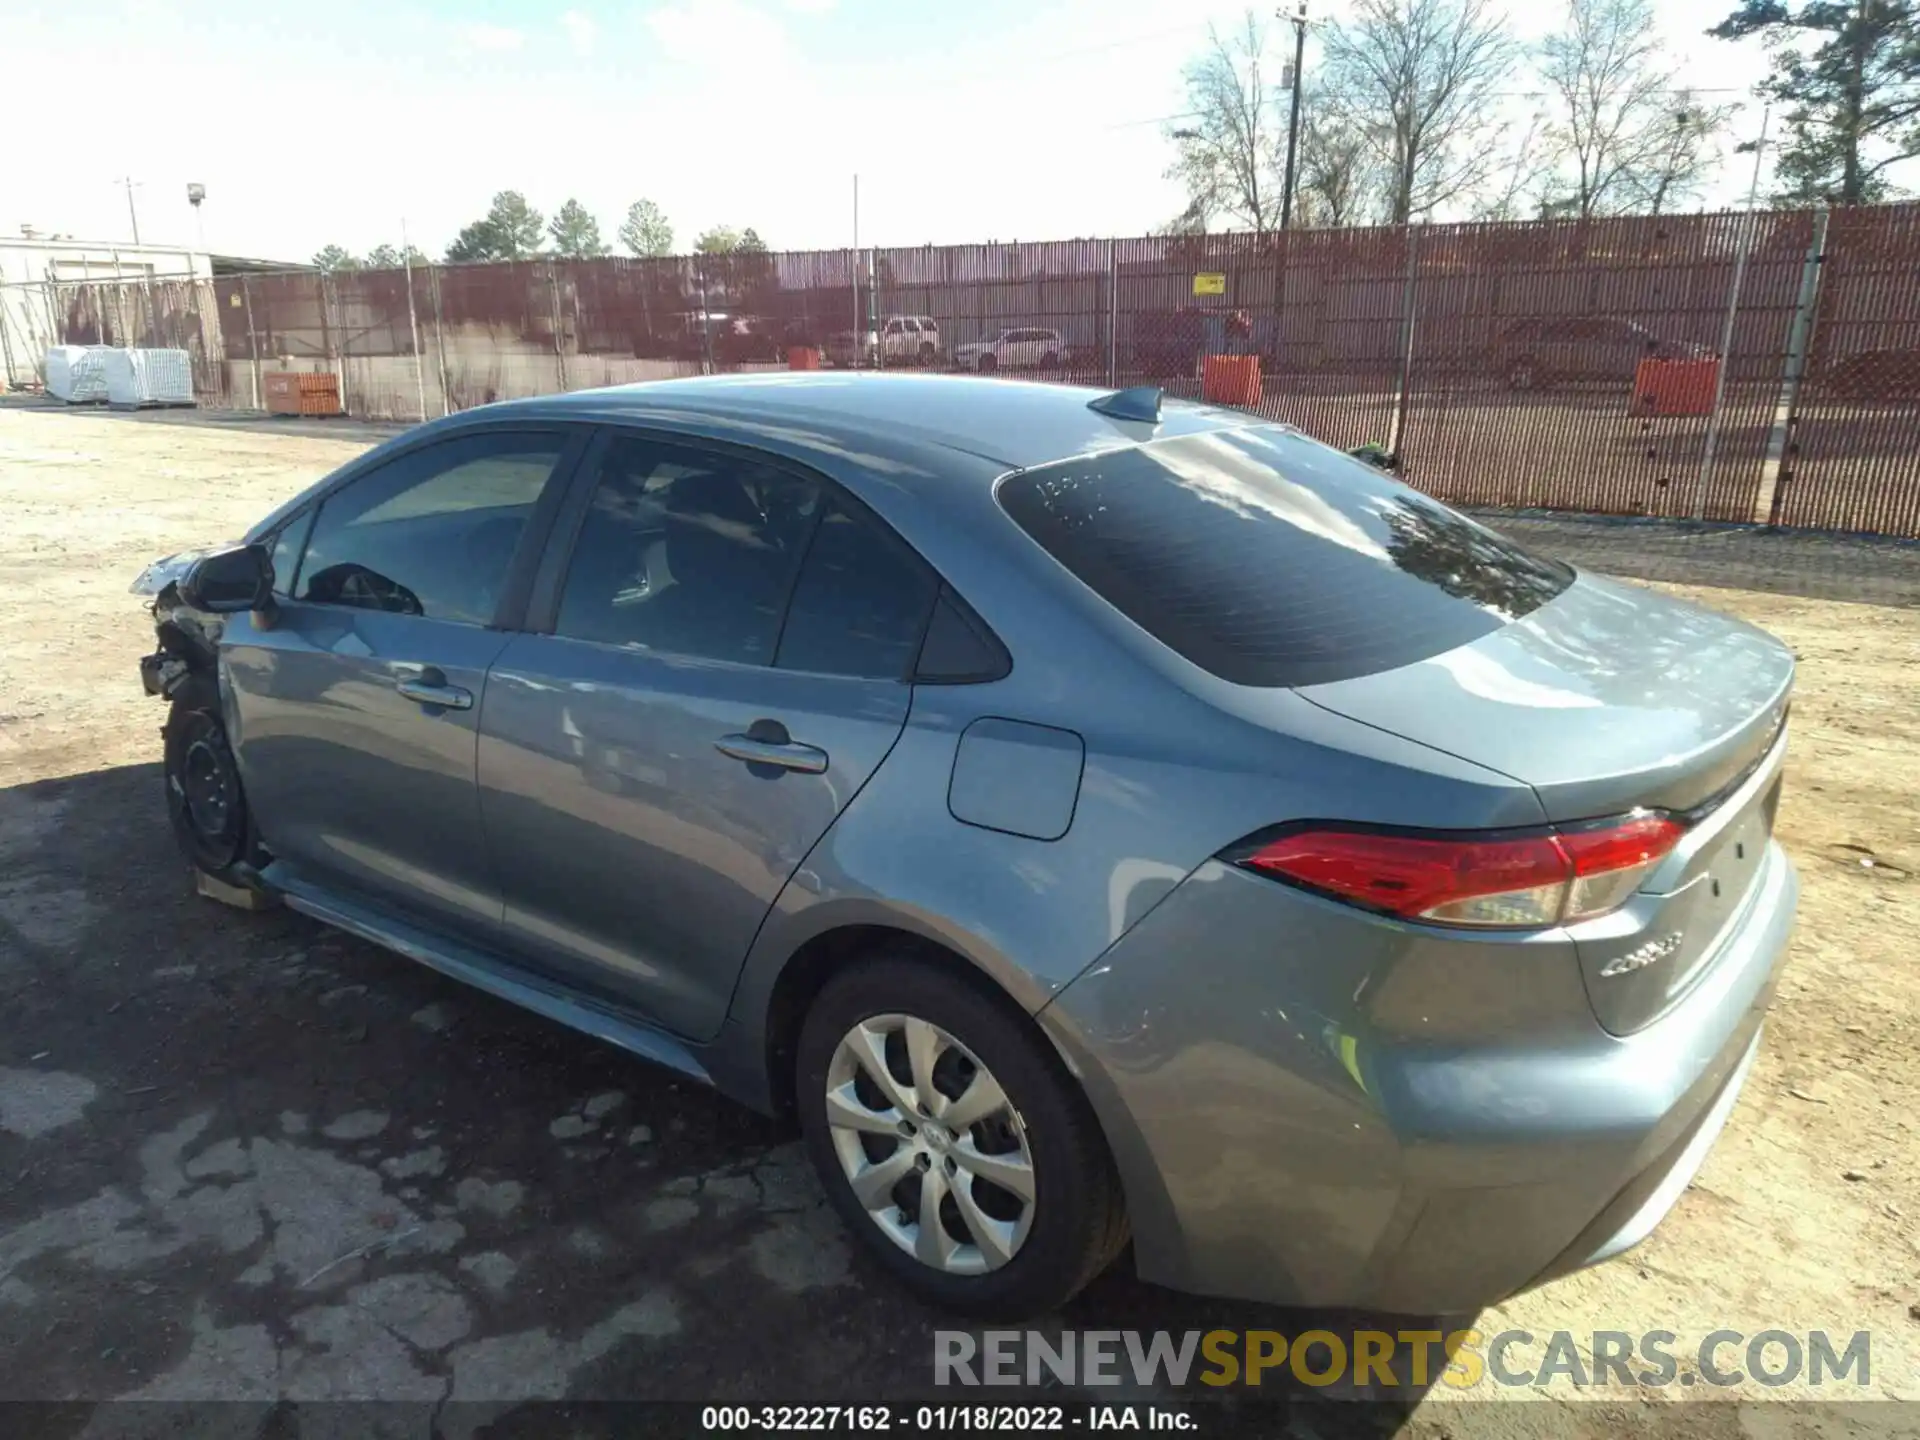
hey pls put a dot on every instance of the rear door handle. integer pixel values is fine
(787, 754)
(430, 687)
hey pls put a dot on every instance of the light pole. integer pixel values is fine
(197, 193)
(1299, 22)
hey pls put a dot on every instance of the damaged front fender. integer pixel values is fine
(187, 647)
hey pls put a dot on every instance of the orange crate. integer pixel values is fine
(1231, 380)
(290, 392)
(803, 357)
(1675, 387)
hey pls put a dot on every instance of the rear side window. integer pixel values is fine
(686, 552)
(861, 604)
(1269, 559)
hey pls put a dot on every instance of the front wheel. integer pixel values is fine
(1050, 360)
(986, 364)
(205, 803)
(953, 1143)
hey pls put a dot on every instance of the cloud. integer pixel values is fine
(581, 30)
(811, 7)
(745, 42)
(497, 38)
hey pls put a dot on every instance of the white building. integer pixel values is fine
(31, 264)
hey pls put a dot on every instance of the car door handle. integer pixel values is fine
(787, 754)
(426, 691)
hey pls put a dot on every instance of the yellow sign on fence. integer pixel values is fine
(1209, 284)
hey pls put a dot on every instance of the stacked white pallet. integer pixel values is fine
(65, 368)
(148, 377)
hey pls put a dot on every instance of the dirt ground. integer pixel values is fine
(245, 1157)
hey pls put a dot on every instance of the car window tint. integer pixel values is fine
(958, 650)
(687, 552)
(432, 532)
(860, 607)
(1269, 559)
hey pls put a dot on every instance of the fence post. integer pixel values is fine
(1749, 222)
(1113, 316)
(200, 332)
(873, 312)
(413, 329)
(1396, 441)
(853, 280)
(440, 341)
(338, 367)
(1799, 348)
(253, 338)
(553, 306)
(6, 345)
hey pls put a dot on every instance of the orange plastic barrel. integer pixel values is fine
(1231, 380)
(802, 357)
(1675, 387)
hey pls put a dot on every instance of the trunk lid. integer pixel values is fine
(1608, 699)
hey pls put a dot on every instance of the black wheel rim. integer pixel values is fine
(207, 789)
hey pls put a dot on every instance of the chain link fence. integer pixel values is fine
(1752, 368)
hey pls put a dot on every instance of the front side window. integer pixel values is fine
(687, 552)
(432, 532)
(1268, 559)
(288, 542)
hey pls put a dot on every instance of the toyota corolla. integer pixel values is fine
(1091, 818)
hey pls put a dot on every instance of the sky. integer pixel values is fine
(345, 121)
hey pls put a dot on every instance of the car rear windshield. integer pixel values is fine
(1269, 559)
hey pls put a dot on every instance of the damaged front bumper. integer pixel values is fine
(161, 673)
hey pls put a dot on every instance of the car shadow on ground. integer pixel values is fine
(230, 1138)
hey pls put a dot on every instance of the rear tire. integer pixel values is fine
(205, 802)
(986, 364)
(984, 1249)
(1050, 360)
(928, 355)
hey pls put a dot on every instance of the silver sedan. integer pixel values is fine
(1090, 818)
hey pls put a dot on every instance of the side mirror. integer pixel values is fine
(229, 581)
(1376, 456)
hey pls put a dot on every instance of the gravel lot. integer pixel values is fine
(244, 1157)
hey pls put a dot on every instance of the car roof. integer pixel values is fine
(1014, 423)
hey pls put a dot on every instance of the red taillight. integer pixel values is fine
(1489, 881)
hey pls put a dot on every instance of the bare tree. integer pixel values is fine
(1684, 151)
(1423, 77)
(1515, 191)
(1618, 139)
(1337, 179)
(1231, 143)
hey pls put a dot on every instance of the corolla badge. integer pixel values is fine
(1651, 953)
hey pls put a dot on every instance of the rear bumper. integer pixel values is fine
(1375, 1116)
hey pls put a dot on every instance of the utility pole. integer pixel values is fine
(1299, 22)
(132, 214)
